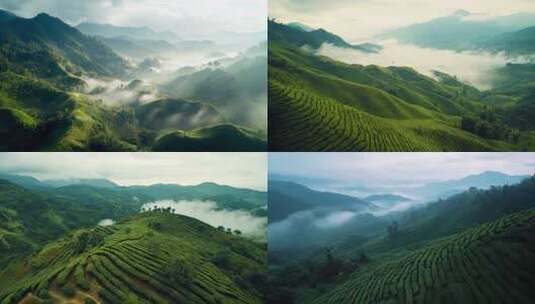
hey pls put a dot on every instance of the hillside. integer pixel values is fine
(316, 199)
(150, 257)
(319, 104)
(46, 47)
(218, 138)
(302, 36)
(491, 263)
(31, 218)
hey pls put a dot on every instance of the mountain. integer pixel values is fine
(459, 31)
(222, 138)
(484, 180)
(150, 257)
(483, 264)
(94, 182)
(290, 34)
(6, 16)
(226, 197)
(512, 43)
(301, 26)
(46, 47)
(313, 199)
(112, 31)
(23, 181)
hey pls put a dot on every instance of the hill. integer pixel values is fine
(317, 199)
(31, 218)
(513, 44)
(176, 114)
(150, 257)
(222, 138)
(46, 47)
(319, 104)
(489, 263)
(300, 36)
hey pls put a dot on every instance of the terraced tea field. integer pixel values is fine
(151, 258)
(492, 263)
(303, 121)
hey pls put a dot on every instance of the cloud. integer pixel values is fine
(247, 170)
(475, 68)
(207, 211)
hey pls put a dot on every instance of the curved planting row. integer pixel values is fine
(300, 120)
(492, 263)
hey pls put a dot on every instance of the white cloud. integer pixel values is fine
(246, 170)
(206, 211)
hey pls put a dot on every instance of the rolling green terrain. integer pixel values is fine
(153, 257)
(492, 263)
(54, 250)
(319, 104)
(473, 247)
(46, 104)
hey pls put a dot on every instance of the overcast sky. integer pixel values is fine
(359, 19)
(406, 168)
(180, 16)
(247, 170)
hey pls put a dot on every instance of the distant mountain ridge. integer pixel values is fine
(297, 36)
(460, 30)
(112, 31)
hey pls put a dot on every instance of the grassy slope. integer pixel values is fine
(221, 138)
(131, 262)
(377, 109)
(492, 263)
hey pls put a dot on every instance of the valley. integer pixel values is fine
(66, 88)
(466, 240)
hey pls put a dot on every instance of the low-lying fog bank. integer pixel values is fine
(475, 68)
(208, 212)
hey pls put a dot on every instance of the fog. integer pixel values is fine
(207, 211)
(106, 222)
(475, 68)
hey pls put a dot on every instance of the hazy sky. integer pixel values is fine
(410, 168)
(246, 170)
(180, 16)
(358, 19)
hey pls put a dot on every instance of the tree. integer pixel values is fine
(237, 232)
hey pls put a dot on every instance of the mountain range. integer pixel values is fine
(48, 99)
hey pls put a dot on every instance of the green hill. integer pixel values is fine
(221, 138)
(319, 104)
(300, 36)
(153, 257)
(175, 114)
(492, 263)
